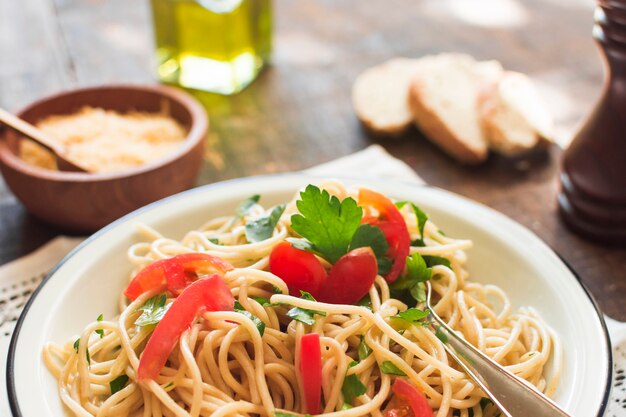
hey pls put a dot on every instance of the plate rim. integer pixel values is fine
(10, 368)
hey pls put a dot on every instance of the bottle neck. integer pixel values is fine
(610, 32)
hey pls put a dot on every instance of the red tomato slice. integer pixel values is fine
(205, 294)
(392, 224)
(408, 402)
(299, 269)
(350, 278)
(311, 372)
(174, 274)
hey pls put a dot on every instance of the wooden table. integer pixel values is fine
(298, 113)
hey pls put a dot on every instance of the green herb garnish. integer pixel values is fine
(326, 222)
(153, 310)
(417, 272)
(441, 335)
(436, 260)
(257, 321)
(76, 347)
(363, 350)
(352, 386)
(388, 367)
(413, 316)
(421, 221)
(372, 236)
(246, 205)
(100, 331)
(304, 315)
(118, 383)
(262, 227)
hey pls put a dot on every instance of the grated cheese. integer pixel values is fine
(106, 141)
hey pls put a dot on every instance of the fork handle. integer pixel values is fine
(514, 396)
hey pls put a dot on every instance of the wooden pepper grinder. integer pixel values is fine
(593, 182)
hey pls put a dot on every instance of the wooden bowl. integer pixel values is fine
(85, 202)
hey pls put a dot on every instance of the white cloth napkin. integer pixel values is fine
(18, 279)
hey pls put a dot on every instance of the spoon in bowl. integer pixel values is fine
(514, 396)
(31, 132)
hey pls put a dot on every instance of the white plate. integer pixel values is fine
(88, 281)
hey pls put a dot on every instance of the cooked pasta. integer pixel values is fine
(222, 366)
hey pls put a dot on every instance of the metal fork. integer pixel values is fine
(514, 396)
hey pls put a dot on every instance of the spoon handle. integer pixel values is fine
(29, 130)
(514, 396)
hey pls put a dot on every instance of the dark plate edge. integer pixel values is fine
(10, 371)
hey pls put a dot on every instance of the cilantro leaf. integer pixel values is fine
(304, 315)
(372, 236)
(118, 383)
(437, 260)
(352, 386)
(246, 205)
(388, 367)
(326, 222)
(262, 227)
(363, 350)
(153, 310)
(100, 331)
(257, 321)
(77, 345)
(421, 220)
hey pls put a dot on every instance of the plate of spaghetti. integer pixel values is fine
(291, 295)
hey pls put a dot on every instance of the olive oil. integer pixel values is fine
(212, 45)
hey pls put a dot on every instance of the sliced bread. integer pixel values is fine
(379, 96)
(442, 100)
(512, 115)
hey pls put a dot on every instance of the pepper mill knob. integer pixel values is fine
(592, 200)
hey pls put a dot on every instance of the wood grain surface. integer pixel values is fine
(298, 113)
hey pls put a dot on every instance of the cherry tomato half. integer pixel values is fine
(350, 278)
(299, 269)
(407, 402)
(174, 274)
(392, 224)
(205, 294)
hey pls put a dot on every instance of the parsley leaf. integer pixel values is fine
(153, 310)
(441, 335)
(388, 367)
(100, 331)
(214, 240)
(281, 414)
(363, 350)
(421, 220)
(118, 383)
(262, 227)
(77, 345)
(304, 315)
(326, 222)
(372, 236)
(246, 205)
(413, 315)
(417, 272)
(436, 260)
(352, 386)
(257, 321)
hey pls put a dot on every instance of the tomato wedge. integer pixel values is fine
(311, 372)
(174, 274)
(407, 402)
(392, 224)
(350, 278)
(205, 294)
(299, 269)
